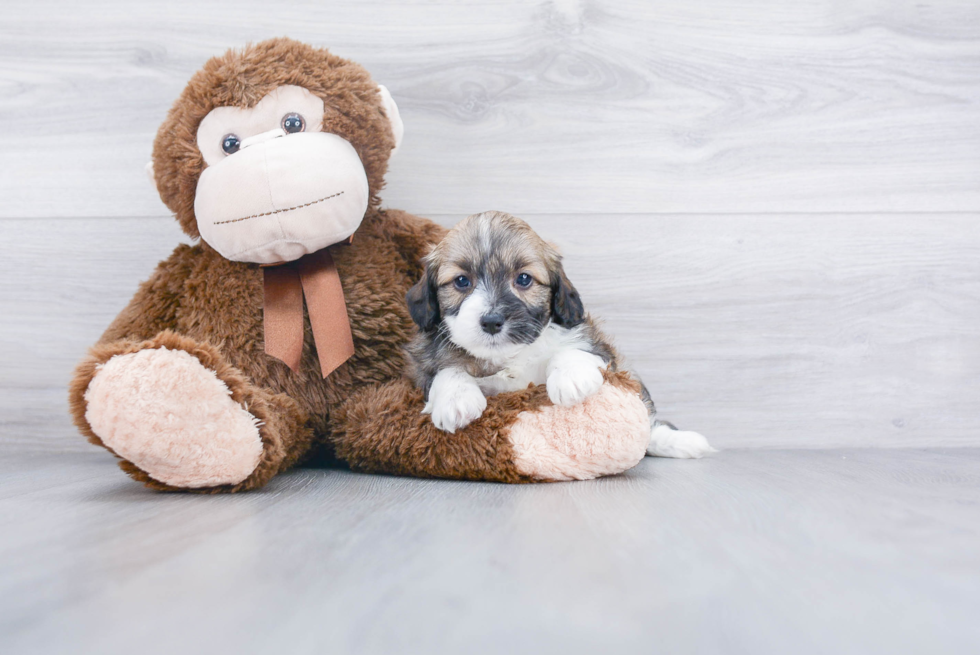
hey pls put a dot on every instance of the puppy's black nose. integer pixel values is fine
(491, 323)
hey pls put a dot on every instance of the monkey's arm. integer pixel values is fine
(520, 437)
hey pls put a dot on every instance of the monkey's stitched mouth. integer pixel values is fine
(280, 211)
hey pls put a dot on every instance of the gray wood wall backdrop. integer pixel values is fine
(774, 205)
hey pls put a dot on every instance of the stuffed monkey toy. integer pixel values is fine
(280, 333)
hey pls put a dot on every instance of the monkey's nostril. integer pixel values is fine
(491, 323)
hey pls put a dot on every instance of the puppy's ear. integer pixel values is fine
(423, 301)
(566, 306)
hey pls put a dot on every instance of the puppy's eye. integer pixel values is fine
(292, 123)
(461, 282)
(524, 280)
(230, 144)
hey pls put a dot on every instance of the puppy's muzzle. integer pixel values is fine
(492, 323)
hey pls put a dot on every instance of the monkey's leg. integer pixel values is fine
(182, 418)
(521, 437)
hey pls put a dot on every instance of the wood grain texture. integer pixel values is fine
(804, 331)
(850, 551)
(734, 188)
(552, 106)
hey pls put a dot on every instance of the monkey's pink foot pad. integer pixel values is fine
(169, 415)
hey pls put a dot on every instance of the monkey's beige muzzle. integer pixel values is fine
(281, 197)
(281, 201)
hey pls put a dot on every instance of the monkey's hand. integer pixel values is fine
(455, 400)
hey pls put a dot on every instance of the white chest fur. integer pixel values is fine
(530, 365)
(559, 358)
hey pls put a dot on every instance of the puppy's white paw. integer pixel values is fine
(573, 376)
(455, 400)
(456, 410)
(680, 444)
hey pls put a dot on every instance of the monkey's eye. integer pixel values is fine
(292, 123)
(524, 280)
(461, 282)
(230, 144)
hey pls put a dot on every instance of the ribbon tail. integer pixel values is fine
(327, 309)
(283, 314)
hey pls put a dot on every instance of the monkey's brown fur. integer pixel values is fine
(210, 307)
(385, 432)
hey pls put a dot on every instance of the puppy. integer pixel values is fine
(495, 313)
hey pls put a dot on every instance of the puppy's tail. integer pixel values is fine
(667, 441)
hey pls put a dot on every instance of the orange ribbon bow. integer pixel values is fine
(315, 277)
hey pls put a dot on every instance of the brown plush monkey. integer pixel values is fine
(215, 379)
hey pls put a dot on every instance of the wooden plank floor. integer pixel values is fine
(749, 551)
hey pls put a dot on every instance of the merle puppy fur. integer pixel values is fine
(496, 313)
(524, 291)
(490, 251)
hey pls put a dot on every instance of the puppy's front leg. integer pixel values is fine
(573, 376)
(455, 400)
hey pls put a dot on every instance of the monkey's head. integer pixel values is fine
(275, 151)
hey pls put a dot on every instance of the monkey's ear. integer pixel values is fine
(391, 110)
(566, 305)
(423, 301)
